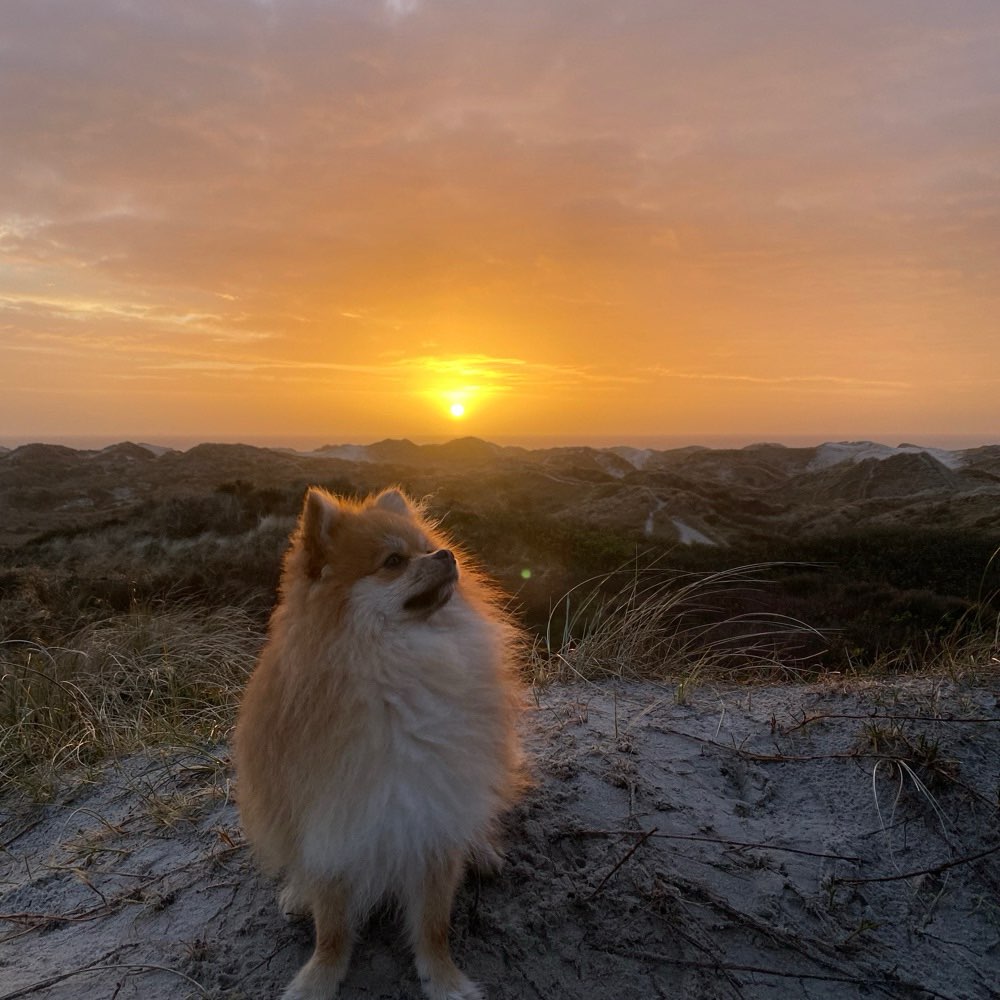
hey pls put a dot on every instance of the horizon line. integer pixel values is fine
(655, 442)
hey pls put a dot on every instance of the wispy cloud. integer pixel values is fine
(479, 371)
(841, 382)
(511, 373)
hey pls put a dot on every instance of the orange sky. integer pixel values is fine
(332, 220)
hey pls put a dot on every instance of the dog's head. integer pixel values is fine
(378, 558)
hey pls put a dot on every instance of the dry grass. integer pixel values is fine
(171, 674)
(645, 622)
(969, 651)
(167, 674)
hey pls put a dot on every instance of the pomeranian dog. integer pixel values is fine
(376, 744)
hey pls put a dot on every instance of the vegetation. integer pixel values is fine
(162, 674)
(143, 628)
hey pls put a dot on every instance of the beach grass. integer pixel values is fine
(168, 673)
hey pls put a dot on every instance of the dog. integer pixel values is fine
(377, 741)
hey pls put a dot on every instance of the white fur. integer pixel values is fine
(424, 775)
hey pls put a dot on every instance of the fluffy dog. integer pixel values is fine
(376, 744)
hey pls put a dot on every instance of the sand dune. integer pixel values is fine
(752, 843)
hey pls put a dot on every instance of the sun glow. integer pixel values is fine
(458, 399)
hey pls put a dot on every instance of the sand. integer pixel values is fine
(749, 843)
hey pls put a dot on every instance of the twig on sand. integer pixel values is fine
(95, 966)
(923, 871)
(635, 847)
(855, 753)
(21, 833)
(133, 895)
(753, 755)
(821, 951)
(712, 957)
(644, 834)
(264, 961)
(687, 963)
(104, 908)
(809, 719)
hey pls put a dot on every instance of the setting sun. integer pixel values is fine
(385, 218)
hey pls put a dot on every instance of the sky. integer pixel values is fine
(340, 220)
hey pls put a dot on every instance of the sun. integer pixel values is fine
(456, 402)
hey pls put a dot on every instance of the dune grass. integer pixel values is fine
(169, 673)
(643, 621)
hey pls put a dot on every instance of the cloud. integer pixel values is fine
(224, 129)
(481, 372)
(401, 7)
(591, 189)
(813, 382)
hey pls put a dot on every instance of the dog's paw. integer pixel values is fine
(461, 988)
(298, 991)
(315, 981)
(467, 990)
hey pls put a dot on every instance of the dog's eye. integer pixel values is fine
(393, 561)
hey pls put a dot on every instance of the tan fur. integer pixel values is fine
(376, 744)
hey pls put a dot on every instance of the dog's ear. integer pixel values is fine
(320, 512)
(395, 501)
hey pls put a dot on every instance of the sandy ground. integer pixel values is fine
(753, 842)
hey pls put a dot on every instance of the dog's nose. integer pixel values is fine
(446, 554)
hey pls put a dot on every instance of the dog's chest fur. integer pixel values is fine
(419, 762)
